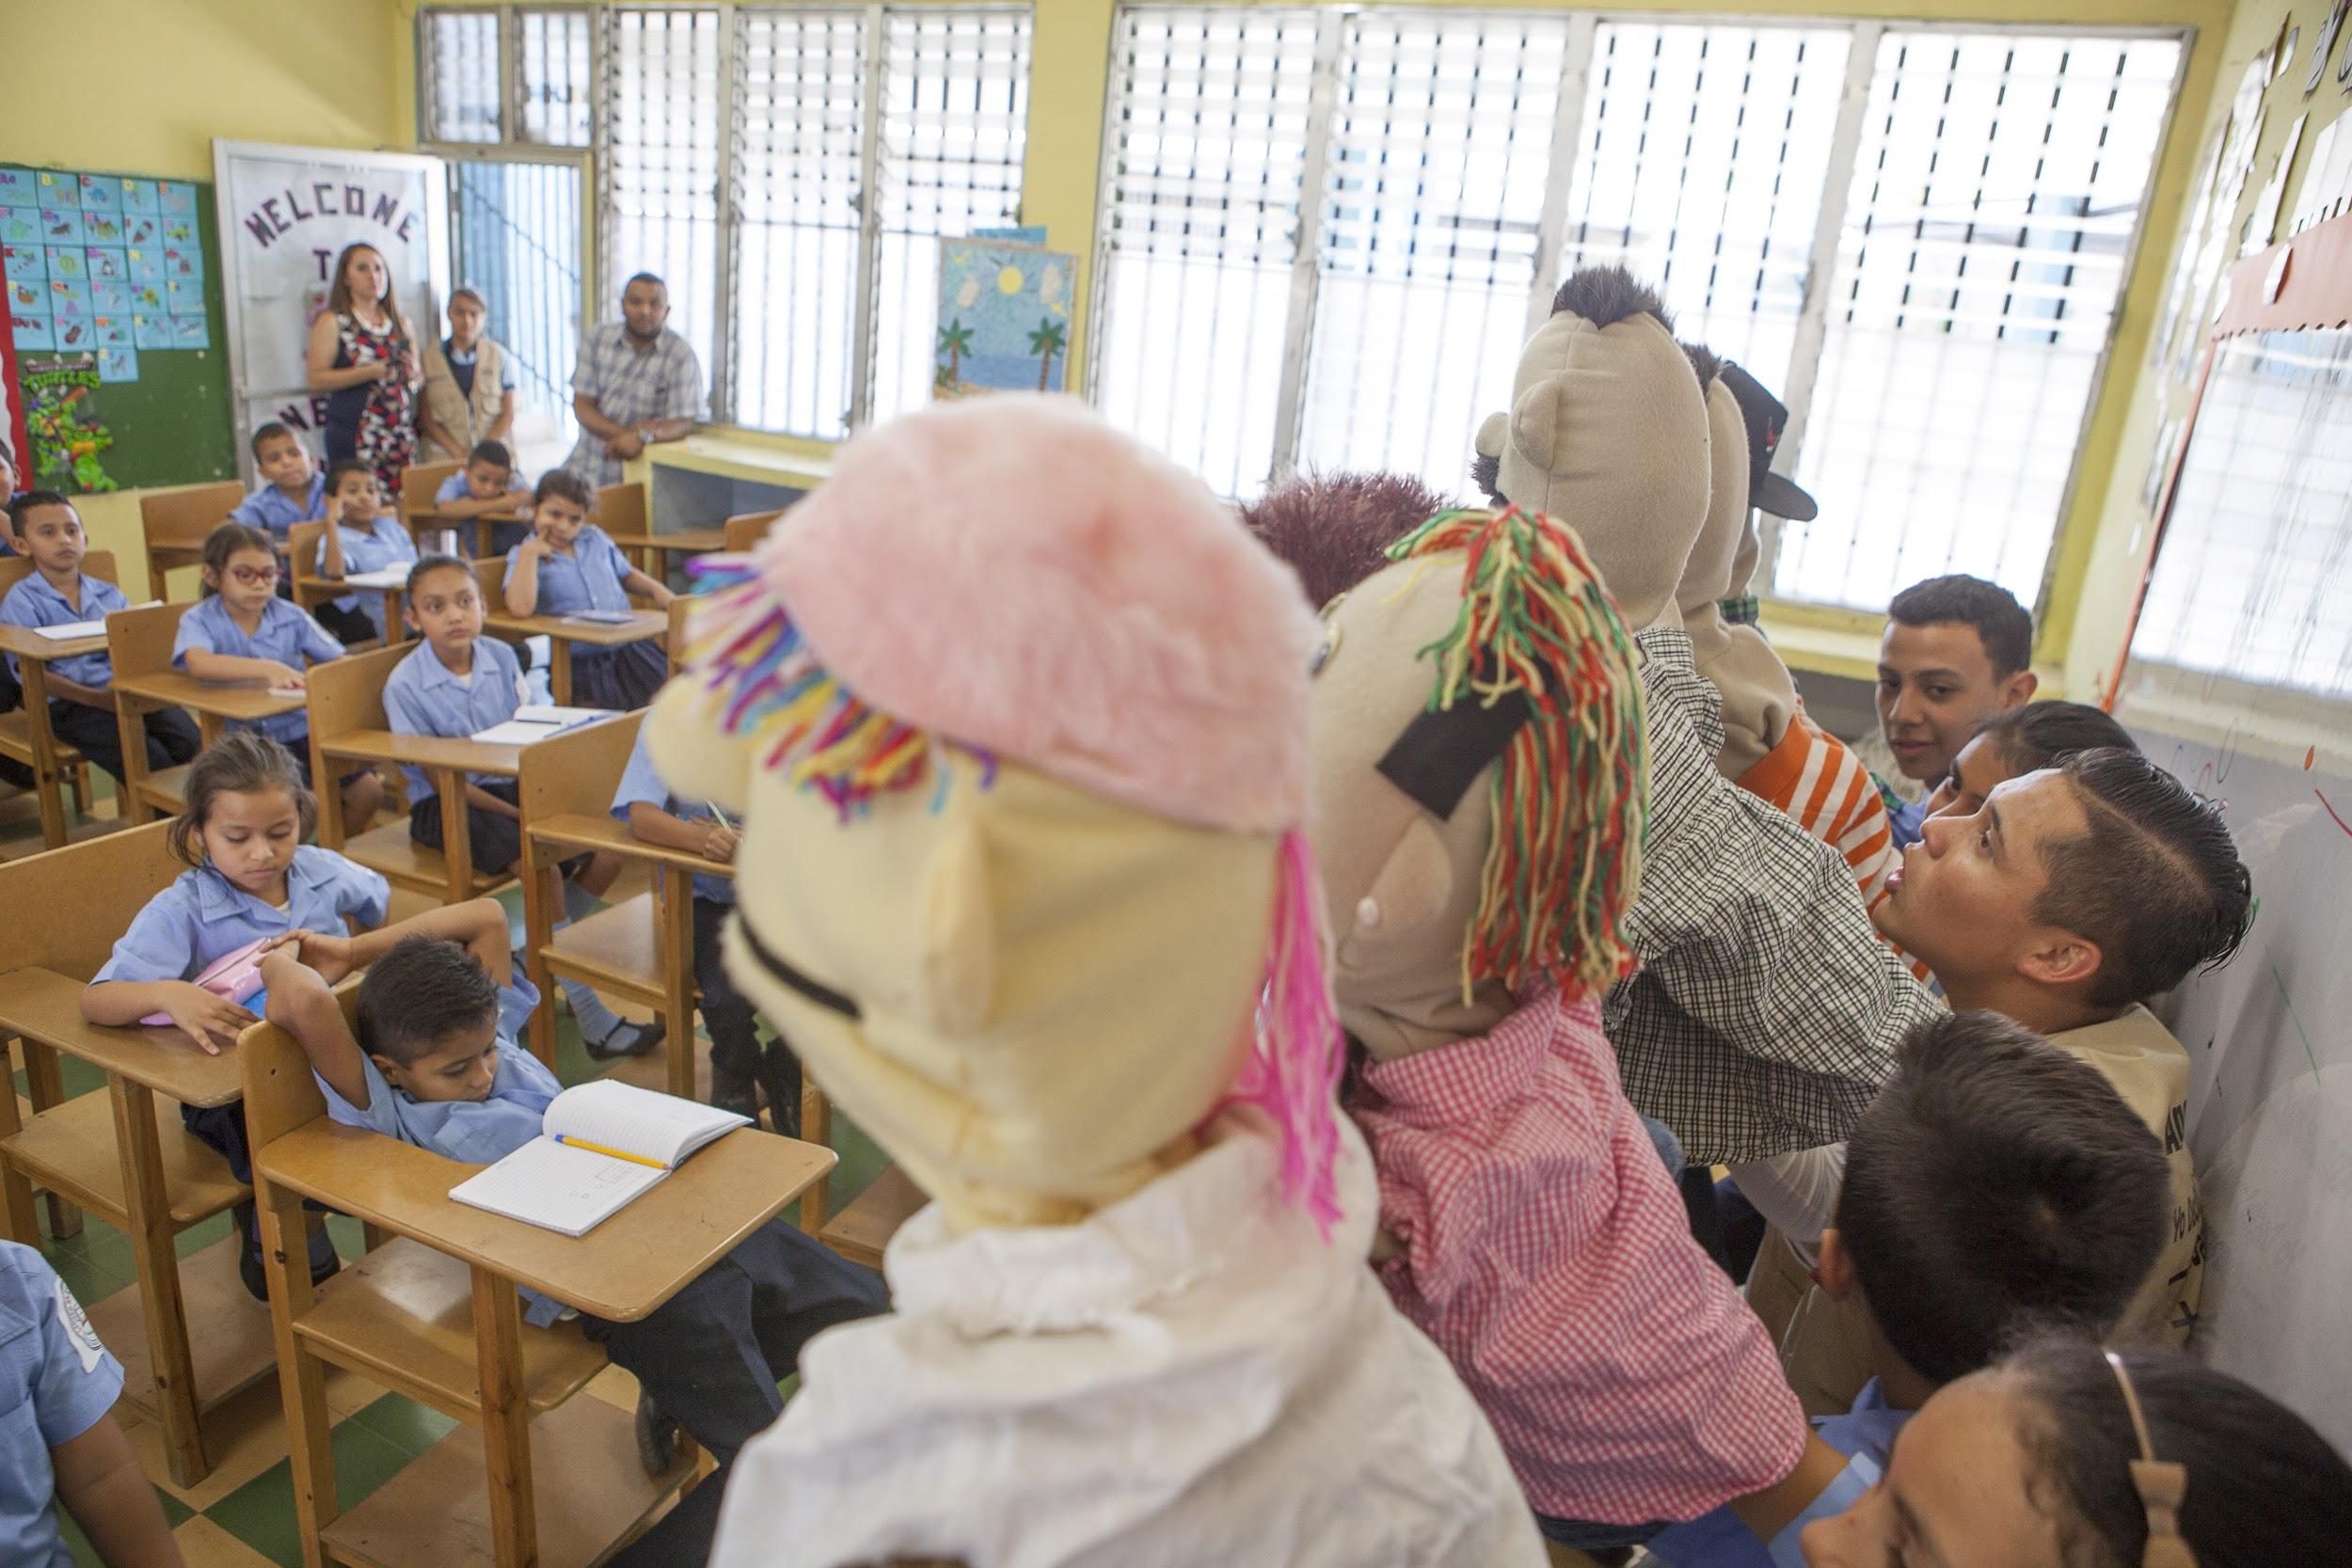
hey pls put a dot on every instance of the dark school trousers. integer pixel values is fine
(172, 738)
(734, 1028)
(712, 1356)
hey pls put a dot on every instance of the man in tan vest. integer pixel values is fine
(2071, 896)
(469, 392)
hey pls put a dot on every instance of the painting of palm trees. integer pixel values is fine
(1003, 318)
(1046, 343)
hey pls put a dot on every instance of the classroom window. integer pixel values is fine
(1996, 191)
(515, 237)
(2259, 529)
(463, 72)
(1903, 229)
(1433, 183)
(787, 169)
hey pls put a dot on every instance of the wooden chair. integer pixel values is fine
(25, 734)
(121, 1154)
(345, 700)
(176, 522)
(530, 1475)
(139, 641)
(641, 948)
(745, 532)
(863, 1228)
(419, 483)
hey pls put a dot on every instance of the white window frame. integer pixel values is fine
(597, 264)
(1812, 322)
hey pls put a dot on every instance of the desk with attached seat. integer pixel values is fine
(25, 734)
(530, 1475)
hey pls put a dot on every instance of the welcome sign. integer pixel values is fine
(286, 212)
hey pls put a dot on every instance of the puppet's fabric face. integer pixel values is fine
(1029, 994)
(1608, 432)
(1401, 882)
(1706, 576)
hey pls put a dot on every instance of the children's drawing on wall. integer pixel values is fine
(59, 416)
(1004, 318)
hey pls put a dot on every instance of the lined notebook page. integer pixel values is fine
(566, 1190)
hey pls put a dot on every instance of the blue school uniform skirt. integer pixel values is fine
(618, 679)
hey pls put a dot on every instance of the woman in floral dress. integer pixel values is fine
(363, 357)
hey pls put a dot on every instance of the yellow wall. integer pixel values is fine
(2110, 539)
(177, 74)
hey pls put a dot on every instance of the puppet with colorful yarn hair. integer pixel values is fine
(1015, 716)
(1479, 786)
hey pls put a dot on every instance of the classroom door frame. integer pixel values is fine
(580, 160)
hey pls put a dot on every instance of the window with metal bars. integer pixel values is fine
(558, 85)
(662, 111)
(1996, 194)
(2260, 532)
(1902, 229)
(1699, 160)
(1441, 144)
(517, 240)
(463, 73)
(787, 169)
(954, 127)
(1204, 165)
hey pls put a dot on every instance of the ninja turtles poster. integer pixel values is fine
(69, 439)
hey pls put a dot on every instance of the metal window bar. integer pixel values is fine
(557, 80)
(659, 133)
(1205, 157)
(954, 128)
(1699, 168)
(800, 79)
(1439, 156)
(2249, 582)
(517, 239)
(463, 76)
(1983, 247)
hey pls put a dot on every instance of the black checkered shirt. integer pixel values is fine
(1765, 1011)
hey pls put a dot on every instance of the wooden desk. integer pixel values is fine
(429, 519)
(121, 1157)
(562, 634)
(390, 849)
(642, 547)
(215, 704)
(51, 762)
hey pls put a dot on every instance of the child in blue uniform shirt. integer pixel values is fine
(251, 878)
(60, 1442)
(739, 1067)
(362, 535)
(292, 490)
(431, 1066)
(241, 630)
(459, 682)
(569, 565)
(1995, 1187)
(487, 485)
(57, 594)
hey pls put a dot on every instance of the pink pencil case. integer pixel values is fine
(236, 975)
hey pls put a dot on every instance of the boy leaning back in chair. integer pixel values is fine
(431, 1067)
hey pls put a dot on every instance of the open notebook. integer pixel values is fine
(537, 721)
(601, 1145)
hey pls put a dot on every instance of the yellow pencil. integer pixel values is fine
(599, 1148)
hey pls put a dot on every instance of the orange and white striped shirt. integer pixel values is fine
(1816, 780)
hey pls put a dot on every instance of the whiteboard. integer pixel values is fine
(2269, 1040)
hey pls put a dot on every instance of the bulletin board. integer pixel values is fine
(117, 373)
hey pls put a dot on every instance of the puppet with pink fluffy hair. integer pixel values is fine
(1015, 714)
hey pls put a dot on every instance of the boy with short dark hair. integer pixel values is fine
(430, 1068)
(488, 484)
(362, 535)
(1995, 1188)
(2072, 896)
(1956, 651)
(459, 682)
(81, 688)
(292, 490)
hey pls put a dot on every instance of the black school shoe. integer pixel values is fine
(324, 1264)
(657, 1435)
(634, 1040)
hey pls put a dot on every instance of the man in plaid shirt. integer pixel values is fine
(637, 382)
